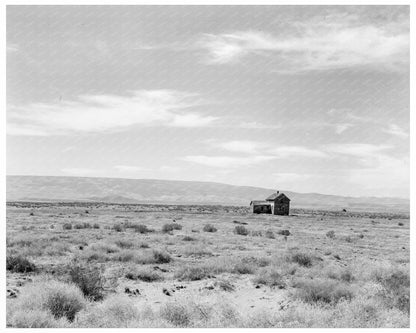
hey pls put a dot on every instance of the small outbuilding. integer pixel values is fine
(276, 204)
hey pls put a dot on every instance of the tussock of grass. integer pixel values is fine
(146, 275)
(241, 230)
(84, 225)
(269, 234)
(103, 247)
(141, 228)
(209, 228)
(284, 232)
(348, 239)
(225, 285)
(169, 227)
(303, 259)
(89, 279)
(256, 233)
(124, 243)
(330, 234)
(396, 288)
(143, 257)
(188, 239)
(21, 241)
(62, 300)
(57, 249)
(340, 274)
(193, 273)
(269, 277)
(196, 250)
(114, 312)
(93, 255)
(160, 257)
(321, 291)
(19, 264)
(243, 268)
(118, 227)
(67, 226)
(176, 314)
(35, 319)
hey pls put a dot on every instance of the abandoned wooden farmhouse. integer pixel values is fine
(276, 204)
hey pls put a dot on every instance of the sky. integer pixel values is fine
(299, 98)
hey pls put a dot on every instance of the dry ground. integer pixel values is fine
(335, 269)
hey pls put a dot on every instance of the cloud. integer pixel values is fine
(341, 128)
(257, 125)
(254, 153)
(289, 177)
(12, 48)
(268, 148)
(317, 44)
(297, 151)
(169, 169)
(128, 168)
(397, 131)
(192, 120)
(356, 149)
(102, 113)
(386, 174)
(228, 161)
(249, 147)
(82, 171)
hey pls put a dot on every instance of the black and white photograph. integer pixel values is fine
(207, 166)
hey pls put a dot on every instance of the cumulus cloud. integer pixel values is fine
(289, 151)
(320, 43)
(397, 131)
(228, 161)
(278, 151)
(357, 149)
(102, 113)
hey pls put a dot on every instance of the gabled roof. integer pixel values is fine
(277, 195)
(260, 202)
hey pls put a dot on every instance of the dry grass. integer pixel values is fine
(241, 230)
(89, 279)
(209, 228)
(348, 280)
(18, 264)
(61, 300)
(320, 291)
(144, 274)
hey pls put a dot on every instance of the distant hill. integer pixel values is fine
(116, 190)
